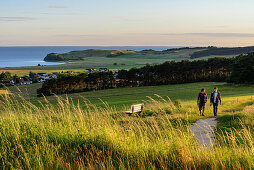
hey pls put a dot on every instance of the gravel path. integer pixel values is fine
(203, 131)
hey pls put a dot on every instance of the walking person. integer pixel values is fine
(202, 99)
(214, 100)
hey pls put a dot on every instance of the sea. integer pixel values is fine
(32, 56)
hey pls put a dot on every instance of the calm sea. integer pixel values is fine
(32, 56)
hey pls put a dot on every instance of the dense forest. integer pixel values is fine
(237, 70)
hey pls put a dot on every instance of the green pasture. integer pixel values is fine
(127, 96)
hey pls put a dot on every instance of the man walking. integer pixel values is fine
(202, 99)
(214, 100)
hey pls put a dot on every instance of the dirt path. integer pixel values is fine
(203, 131)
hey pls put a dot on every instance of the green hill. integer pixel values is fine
(211, 51)
(183, 53)
(170, 54)
(81, 55)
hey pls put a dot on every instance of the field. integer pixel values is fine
(89, 130)
(127, 96)
(80, 131)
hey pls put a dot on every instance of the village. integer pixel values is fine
(7, 79)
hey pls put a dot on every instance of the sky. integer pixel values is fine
(126, 22)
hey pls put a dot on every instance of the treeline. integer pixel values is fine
(243, 69)
(222, 51)
(185, 48)
(5, 79)
(73, 83)
(236, 70)
(215, 69)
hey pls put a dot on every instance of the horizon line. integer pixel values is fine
(176, 46)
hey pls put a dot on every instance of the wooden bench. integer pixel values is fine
(137, 108)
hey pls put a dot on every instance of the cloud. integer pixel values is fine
(57, 6)
(55, 13)
(80, 35)
(212, 34)
(75, 35)
(11, 19)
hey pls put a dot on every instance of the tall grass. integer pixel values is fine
(4, 92)
(66, 136)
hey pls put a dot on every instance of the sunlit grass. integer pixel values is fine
(66, 136)
(4, 92)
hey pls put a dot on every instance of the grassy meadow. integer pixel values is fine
(126, 96)
(80, 131)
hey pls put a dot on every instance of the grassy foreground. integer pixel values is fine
(65, 135)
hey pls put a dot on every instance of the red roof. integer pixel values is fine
(21, 80)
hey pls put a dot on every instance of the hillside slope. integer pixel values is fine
(81, 55)
(176, 53)
(222, 51)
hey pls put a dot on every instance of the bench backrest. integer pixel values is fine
(137, 108)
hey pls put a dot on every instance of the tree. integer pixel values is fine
(15, 79)
(243, 69)
(171, 72)
(34, 77)
(5, 76)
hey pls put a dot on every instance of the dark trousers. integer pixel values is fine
(215, 108)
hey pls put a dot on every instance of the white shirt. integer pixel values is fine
(215, 94)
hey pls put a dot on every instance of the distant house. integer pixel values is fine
(22, 81)
(52, 75)
(41, 80)
(44, 75)
(90, 70)
(26, 82)
(103, 69)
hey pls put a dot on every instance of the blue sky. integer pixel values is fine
(127, 22)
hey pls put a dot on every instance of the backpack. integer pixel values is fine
(205, 98)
